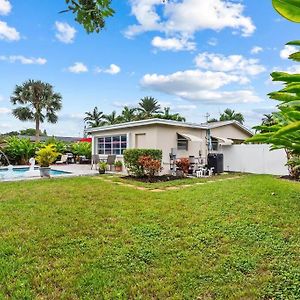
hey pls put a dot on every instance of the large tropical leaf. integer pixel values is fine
(289, 128)
(289, 9)
(294, 43)
(295, 56)
(285, 97)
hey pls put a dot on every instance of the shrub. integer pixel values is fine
(82, 149)
(183, 164)
(151, 166)
(19, 150)
(46, 155)
(60, 146)
(132, 156)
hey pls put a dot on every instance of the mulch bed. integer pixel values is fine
(163, 178)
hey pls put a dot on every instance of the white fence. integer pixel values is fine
(257, 159)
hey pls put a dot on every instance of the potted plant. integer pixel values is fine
(118, 166)
(45, 157)
(102, 167)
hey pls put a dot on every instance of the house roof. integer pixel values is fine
(147, 122)
(213, 125)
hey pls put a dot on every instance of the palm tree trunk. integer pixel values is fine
(37, 129)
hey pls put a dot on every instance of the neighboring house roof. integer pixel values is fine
(67, 139)
(204, 126)
(213, 125)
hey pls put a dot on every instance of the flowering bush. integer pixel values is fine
(132, 156)
(150, 165)
(183, 164)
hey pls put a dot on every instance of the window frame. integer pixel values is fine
(184, 141)
(112, 144)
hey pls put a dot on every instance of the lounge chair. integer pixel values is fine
(63, 160)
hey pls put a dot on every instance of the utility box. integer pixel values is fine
(216, 161)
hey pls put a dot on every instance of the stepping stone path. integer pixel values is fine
(109, 179)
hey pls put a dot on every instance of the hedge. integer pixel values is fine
(131, 159)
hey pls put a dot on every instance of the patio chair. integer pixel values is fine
(111, 161)
(95, 161)
(63, 160)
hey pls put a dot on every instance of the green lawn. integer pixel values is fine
(83, 238)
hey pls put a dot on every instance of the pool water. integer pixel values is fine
(22, 173)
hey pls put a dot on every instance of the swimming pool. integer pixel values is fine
(26, 173)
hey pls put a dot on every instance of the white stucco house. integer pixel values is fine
(179, 138)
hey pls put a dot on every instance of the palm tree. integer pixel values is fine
(230, 114)
(39, 103)
(94, 118)
(148, 106)
(212, 120)
(269, 120)
(112, 119)
(128, 114)
(168, 116)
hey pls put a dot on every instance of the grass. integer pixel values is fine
(82, 238)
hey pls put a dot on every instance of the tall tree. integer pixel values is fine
(148, 106)
(90, 13)
(230, 114)
(112, 118)
(128, 114)
(94, 118)
(38, 102)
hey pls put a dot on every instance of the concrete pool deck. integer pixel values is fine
(73, 170)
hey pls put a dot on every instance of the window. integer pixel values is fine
(182, 142)
(214, 144)
(112, 144)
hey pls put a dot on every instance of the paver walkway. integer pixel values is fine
(109, 179)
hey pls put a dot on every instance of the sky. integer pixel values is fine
(196, 57)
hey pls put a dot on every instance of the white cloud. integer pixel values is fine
(236, 64)
(4, 110)
(78, 68)
(212, 42)
(198, 86)
(287, 51)
(8, 33)
(113, 70)
(208, 81)
(24, 60)
(193, 80)
(256, 50)
(5, 7)
(184, 18)
(295, 69)
(66, 33)
(173, 44)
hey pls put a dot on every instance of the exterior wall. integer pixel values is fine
(257, 159)
(230, 132)
(167, 139)
(161, 137)
(150, 140)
